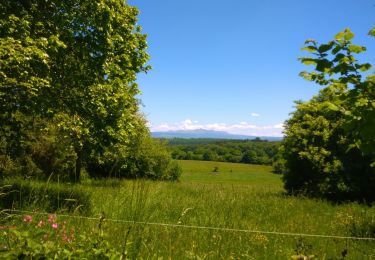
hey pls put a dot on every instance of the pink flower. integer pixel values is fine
(27, 218)
(54, 225)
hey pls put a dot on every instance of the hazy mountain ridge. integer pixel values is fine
(202, 133)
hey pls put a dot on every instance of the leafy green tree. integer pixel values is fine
(249, 157)
(73, 65)
(209, 156)
(329, 146)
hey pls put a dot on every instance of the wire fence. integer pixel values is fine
(102, 218)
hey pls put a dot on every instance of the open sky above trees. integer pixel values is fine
(232, 65)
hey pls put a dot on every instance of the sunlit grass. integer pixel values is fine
(229, 173)
(237, 196)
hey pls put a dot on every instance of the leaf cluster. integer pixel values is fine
(329, 148)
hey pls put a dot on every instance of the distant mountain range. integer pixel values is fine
(202, 133)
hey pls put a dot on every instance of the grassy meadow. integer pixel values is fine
(235, 196)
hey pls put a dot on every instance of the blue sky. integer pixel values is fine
(232, 65)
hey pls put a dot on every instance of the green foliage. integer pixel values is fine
(150, 158)
(144, 157)
(329, 148)
(44, 155)
(67, 75)
(51, 238)
(278, 166)
(240, 151)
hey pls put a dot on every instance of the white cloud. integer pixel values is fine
(242, 128)
(255, 114)
(279, 126)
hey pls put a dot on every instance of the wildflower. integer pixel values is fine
(54, 225)
(27, 218)
(40, 224)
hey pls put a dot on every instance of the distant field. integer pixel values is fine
(229, 173)
(238, 196)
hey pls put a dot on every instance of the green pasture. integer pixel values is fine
(236, 196)
(229, 173)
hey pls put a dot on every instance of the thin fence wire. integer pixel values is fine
(196, 227)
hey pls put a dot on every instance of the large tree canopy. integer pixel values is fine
(68, 69)
(329, 148)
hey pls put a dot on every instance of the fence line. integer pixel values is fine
(198, 227)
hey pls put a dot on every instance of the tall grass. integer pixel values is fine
(240, 207)
(240, 197)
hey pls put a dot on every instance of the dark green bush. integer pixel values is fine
(320, 159)
(144, 158)
(278, 166)
(329, 145)
(51, 197)
(53, 157)
(41, 155)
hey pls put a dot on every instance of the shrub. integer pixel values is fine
(52, 155)
(7, 166)
(43, 155)
(144, 158)
(317, 154)
(328, 147)
(278, 166)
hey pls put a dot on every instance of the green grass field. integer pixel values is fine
(229, 173)
(238, 196)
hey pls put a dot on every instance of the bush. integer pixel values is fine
(52, 156)
(144, 158)
(7, 166)
(19, 194)
(317, 154)
(43, 155)
(329, 145)
(278, 166)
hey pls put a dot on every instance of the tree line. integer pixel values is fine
(236, 151)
